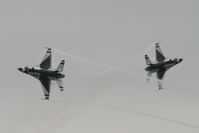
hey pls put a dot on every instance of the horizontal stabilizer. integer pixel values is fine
(147, 59)
(60, 68)
(60, 84)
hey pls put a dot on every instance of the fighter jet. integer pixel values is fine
(160, 66)
(44, 73)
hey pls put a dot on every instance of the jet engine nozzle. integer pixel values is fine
(62, 75)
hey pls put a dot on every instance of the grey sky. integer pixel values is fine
(115, 33)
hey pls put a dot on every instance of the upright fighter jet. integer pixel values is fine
(44, 73)
(160, 66)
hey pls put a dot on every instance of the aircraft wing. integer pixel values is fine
(159, 55)
(45, 82)
(46, 62)
(160, 74)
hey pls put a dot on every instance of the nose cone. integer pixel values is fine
(20, 69)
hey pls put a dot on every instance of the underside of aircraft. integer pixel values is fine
(45, 74)
(160, 66)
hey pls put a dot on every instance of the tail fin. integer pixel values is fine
(60, 68)
(147, 59)
(60, 84)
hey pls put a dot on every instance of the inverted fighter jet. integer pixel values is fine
(160, 66)
(44, 73)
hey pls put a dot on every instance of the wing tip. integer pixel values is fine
(46, 96)
(63, 62)
(48, 49)
(157, 44)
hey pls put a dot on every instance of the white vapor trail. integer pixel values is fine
(129, 111)
(104, 65)
(95, 63)
(101, 64)
(108, 66)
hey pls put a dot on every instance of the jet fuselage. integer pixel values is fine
(163, 65)
(44, 73)
(37, 72)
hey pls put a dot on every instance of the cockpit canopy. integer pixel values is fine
(29, 69)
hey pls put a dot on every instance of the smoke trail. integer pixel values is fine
(131, 112)
(108, 66)
(96, 63)
(101, 64)
(148, 49)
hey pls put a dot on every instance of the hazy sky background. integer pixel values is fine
(115, 33)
